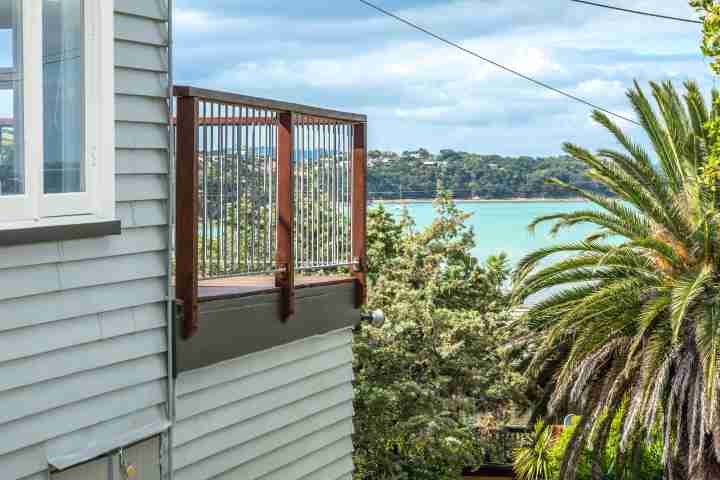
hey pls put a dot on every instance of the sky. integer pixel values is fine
(417, 92)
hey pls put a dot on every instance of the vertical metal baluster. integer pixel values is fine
(332, 224)
(341, 140)
(336, 205)
(253, 189)
(303, 173)
(268, 189)
(246, 154)
(321, 198)
(344, 192)
(316, 185)
(208, 193)
(311, 198)
(211, 190)
(236, 171)
(328, 193)
(295, 189)
(351, 150)
(348, 193)
(223, 213)
(205, 167)
(203, 134)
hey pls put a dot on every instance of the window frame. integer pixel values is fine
(97, 202)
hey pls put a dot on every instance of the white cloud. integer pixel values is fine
(419, 92)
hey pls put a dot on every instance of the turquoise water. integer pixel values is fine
(502, 226)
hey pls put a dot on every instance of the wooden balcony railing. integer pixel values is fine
(266, 188)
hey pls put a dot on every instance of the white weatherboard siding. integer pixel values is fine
(83, 335)
(283, 413)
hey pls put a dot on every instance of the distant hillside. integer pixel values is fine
(419, 174)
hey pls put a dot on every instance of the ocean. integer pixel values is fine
(502, 226)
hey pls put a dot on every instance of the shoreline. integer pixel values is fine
(481, 200)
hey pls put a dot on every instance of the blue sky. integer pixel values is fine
(419, 93)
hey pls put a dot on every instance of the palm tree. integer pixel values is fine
(630, 331)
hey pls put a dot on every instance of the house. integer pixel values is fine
(166, 310)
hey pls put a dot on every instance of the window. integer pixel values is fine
(56, 111)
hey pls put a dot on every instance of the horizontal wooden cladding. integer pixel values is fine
(133, 136)
(73, 448)
(25, 463)
(259, 362)
(133, 108)
(23, 312)
(129, 81)
(154, 9)
(293, 447)
(141, 187)
(249, 416)
(28, 281)
(224, 395)
(142, 213)
(306, 465)
(340, 469)
(34, 429)
(333, 383)
(140, 56)
(276, 105)
(28, 371)
(141, 162)
(42, 397)
(329, 407)
(234, 327)
(131, 241)
(47, 337)
(140, 29)
(297, 458)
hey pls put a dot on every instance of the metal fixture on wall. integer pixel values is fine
(376, 318)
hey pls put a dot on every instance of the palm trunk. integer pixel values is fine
(707, 467)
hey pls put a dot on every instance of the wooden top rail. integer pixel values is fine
(276, 105)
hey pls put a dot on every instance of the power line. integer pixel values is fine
(638, 12)
(499, 65)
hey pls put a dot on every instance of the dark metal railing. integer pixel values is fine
(237, 189)
(265, 187)
(323, 193)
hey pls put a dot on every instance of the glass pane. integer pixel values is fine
(7, 41)
(12, 176)
(63, 102)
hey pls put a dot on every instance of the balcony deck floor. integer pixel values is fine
(254, 285)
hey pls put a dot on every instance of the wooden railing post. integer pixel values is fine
(186, 222)
(359, 212)
(285, 276)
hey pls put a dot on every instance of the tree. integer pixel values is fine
(630, 325)
(710, 14)
(436, 372)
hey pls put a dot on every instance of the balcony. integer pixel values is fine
(270, 223)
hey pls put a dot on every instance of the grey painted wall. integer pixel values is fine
(83, 323)
(234, 327)
(280, 414)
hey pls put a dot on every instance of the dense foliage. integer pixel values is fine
(630, 331)
(542, 459)
(419, 174)
(435, 375)
(709, 11)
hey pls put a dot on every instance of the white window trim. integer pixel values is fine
(97, 203)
